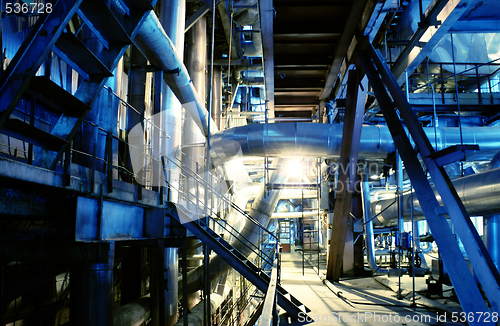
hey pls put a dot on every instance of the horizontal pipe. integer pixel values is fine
(480, 194)
(135, 313)
(324, 140)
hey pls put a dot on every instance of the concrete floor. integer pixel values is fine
(363, 301)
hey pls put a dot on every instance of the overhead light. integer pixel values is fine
(294, 167)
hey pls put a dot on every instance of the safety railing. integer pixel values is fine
(471, 77)
(197, 188)
(269, 311)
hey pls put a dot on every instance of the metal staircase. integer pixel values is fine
(203, 219)
(53, 33)
(390, 98)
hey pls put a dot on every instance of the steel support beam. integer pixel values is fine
(226, 23)
(67, 126)
(465, 286)
(476, 26)
(351, 135)
(202, 11)
(359, 17)
(437, 22)
(53, 251)
(266, 12)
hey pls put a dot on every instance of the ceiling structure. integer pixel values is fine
(311, 40)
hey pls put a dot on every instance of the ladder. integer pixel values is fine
(52, 33)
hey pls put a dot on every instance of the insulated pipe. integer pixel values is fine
(196, 314)
(369, 237)
(154, 43)
(480, 194)
(324, 140)
(135, 313)
(172, 16)
(193, 138)
(237, 70)
(217, 96)
(492, 225)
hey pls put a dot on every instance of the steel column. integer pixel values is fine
(351, 135)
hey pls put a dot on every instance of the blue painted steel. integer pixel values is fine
(119, 221)
(32, 53)
(465, 286)
(481, 261)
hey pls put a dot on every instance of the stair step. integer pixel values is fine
(103, 23)
(22, 130)
(56, 98)
(245, 267)
(69, 48)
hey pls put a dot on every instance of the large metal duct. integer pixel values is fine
(324, 140)
(480, 194)
(160, 51)
(492, 225)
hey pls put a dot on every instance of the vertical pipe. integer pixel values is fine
(217, 97)
(207, 288)
(172, 18)
(171, 269)
(492, 238)
(401, 221)
(115, 84)
(196, 65)
(492, 225)
(367, 219)
(413, 249)
(136, 98)
(458, 101)
(92, 293)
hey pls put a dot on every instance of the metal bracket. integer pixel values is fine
(452, 154)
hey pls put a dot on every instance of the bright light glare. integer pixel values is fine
(294, 167)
